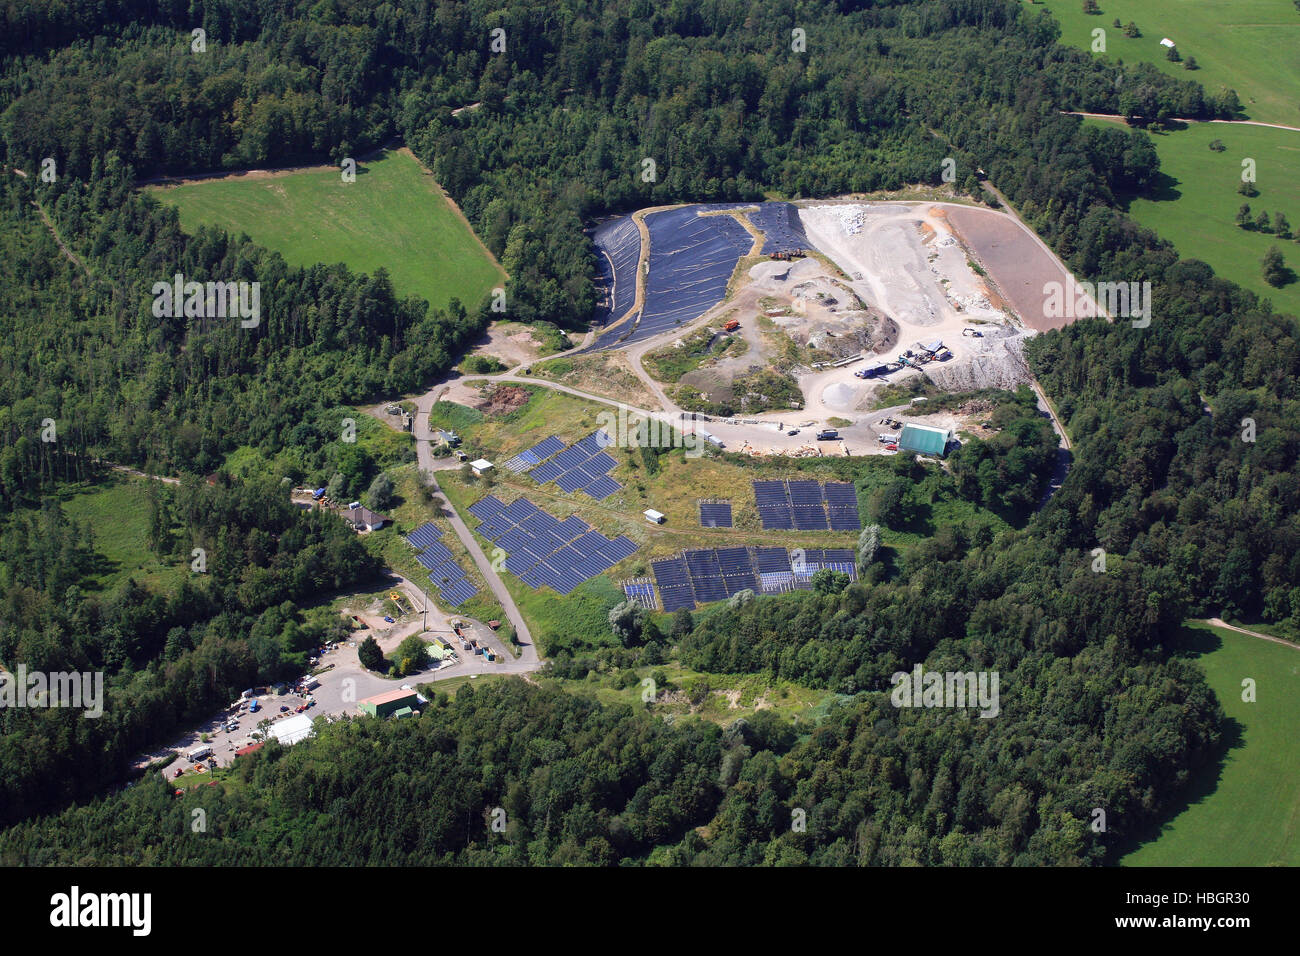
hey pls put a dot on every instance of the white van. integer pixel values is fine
(200, 753)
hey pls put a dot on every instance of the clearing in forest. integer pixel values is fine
(394, 215)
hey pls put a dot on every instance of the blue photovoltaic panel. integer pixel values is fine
(845, 520)
(839, 554)
(715, 514)
(547, 447)
(571, 481)
(486, 507)
(513, 540)
(519, 509)
(671, 572)
(571, 458)
(734, 561)
(841, 493)
(600, 463)
(494, 528)
(571, 527)
(586, 476)
(702, 563)
(446, 572)
(622, 547)
(539, 522)
(740, 582)
(770, 560)
(434, 555)
(805, 493)
(776, 519)
(676, 597)
(547, 472)
(458, 593)
(594, 442)
(770, 491)
(602, 487)
(810, 519)
(424, 535)
(519, 563)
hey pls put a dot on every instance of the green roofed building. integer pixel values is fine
(389, 703)
(924, 439)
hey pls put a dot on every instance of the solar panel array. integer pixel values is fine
(444, 573)
(424, 535)
(715, 514)
(541, 549)
(700, 576)
(674, 583)
(640, 591)
(534, 456)
(584, 466)
(807, 505)
(804, 563)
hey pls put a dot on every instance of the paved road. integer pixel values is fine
(423, 434)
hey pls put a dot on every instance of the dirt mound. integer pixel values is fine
(502, 400)
(1001, 367)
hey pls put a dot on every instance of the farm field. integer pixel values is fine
(394, 216)
(1196, 206)
(1251, 46)
(1250, 816)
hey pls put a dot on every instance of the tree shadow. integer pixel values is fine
(1191, 643)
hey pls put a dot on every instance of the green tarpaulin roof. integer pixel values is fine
(923, 440)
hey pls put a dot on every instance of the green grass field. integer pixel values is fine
(1195, 207)
(117, 510)
(394, 215)
(1246, 812)
(1251, 46)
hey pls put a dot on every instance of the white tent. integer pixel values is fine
(292, 729)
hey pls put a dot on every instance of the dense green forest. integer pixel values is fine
(1094, 712)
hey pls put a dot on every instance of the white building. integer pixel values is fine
(292, 729)
(481, 467)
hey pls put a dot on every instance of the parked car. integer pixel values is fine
(793, 431)
(388, 620)
(284, 708)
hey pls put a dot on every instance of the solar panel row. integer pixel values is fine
(807, 506)
(582, 467)
(424, 535)
(715, 514)
(711, 575)
(542, 550)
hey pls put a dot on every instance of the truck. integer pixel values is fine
(731, 326)
(254, 706)
(828, 434)
(200, 753)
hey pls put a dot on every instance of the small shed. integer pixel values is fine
(654, 517)
(481, 467)
(1167, 42)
